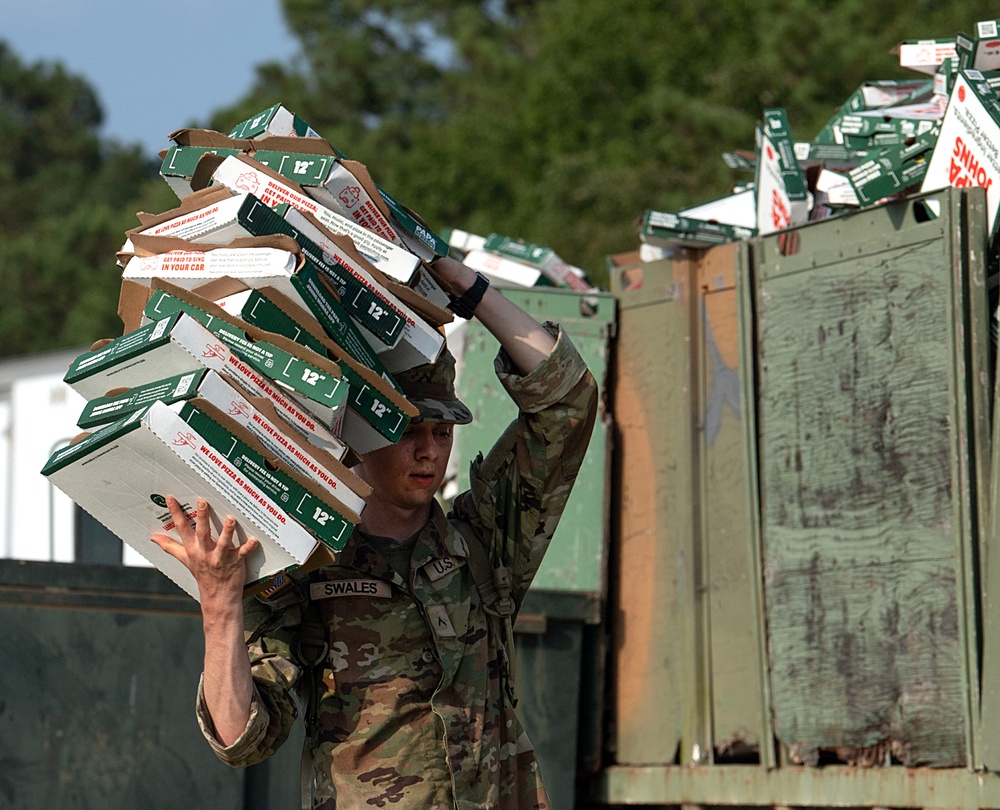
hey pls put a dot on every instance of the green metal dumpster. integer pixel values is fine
(862, 563)
(97, 690)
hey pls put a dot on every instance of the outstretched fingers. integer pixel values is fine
(181, 523)
(198, 546)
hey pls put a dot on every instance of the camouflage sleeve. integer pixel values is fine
(273, 709)
(519, 490)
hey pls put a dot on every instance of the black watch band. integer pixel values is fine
(464, 306)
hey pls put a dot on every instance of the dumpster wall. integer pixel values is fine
(872, 447)
(821, 643)
(686, 659)
(100, 671)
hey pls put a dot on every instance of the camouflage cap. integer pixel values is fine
(431, 388)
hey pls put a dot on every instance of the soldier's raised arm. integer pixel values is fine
(519, 333)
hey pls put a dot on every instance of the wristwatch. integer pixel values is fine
(464, 305)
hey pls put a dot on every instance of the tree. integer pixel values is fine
(67, 200)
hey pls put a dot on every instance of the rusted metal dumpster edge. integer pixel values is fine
(836, 786)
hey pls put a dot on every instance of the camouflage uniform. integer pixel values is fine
(414, 709)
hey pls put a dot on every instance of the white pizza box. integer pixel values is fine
(122, 474)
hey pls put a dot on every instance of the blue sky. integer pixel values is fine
(156, 67)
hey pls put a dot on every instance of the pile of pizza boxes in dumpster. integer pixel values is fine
(264, 318)
(888, 140)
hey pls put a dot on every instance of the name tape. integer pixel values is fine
(350, 587)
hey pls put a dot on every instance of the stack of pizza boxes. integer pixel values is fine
(264, 318)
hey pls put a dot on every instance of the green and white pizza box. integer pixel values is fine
(247, 176)
(377, 414)
(505, 271)
(835, 156)
(394, 260)
(837, 188)
(738, 208)
(256, 415)
(342, 191)
(311, 503)
(904, 121)
(363, 288)
(189, 265)
(782, 196)
(180, 160)
(360, 293)
(421, 339)
(207, 215)
(120, 402)
(925, 55)
(415, 233)
(982, 50)
(665, 229)
(871, 96)
(276, 120)
(312, 380)
(246, 217)
(463, 241)
(558, 271)
(122, 473)
(176, 344)
(287, 158)
(893, 170)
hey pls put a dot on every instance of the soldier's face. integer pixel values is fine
(408, 473)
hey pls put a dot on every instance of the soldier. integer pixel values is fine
(395, 650)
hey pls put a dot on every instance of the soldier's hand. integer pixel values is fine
(218, 564)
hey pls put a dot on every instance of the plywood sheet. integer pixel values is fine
(866, 509)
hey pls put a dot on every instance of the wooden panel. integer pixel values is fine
(865, 486)
(730, 568)
(653, 609)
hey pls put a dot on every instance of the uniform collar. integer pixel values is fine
(437, 540)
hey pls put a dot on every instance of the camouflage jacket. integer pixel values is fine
(413, 709)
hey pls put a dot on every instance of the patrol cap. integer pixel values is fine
(431, 388)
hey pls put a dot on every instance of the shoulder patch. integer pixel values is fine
(277, 584)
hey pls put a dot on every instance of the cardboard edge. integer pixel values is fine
(192, 202)
(432, 314)
(363, 176)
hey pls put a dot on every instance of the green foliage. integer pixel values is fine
(66, 201)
